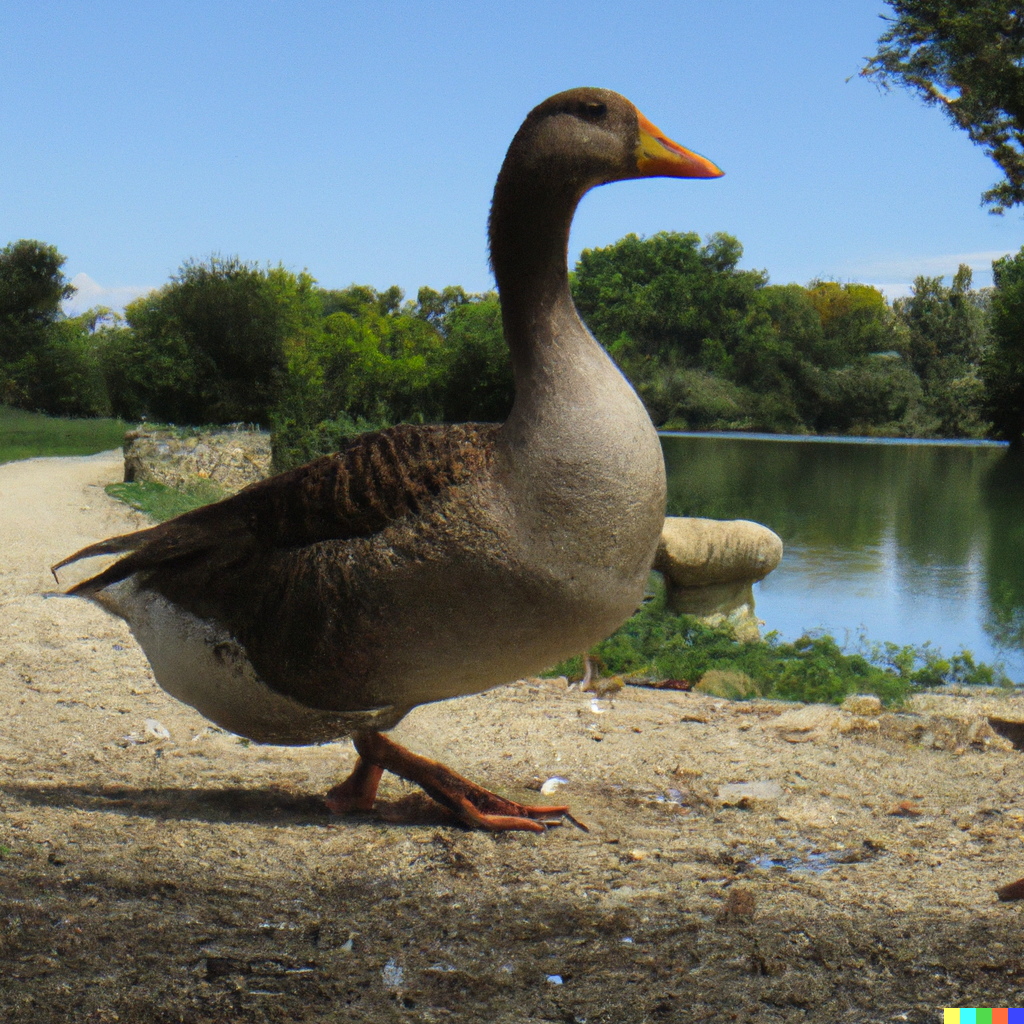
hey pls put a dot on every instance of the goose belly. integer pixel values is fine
(199, 663)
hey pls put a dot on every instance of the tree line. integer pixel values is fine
(707, 345)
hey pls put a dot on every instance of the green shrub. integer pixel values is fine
(656, 643)
(293, 443)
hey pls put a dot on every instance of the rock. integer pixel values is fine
(553, 784)
(730, 685)
(154, 730)
(747, 794)
(739, 903)
(940, 732)
(231, 458)
(1013, 891)
(862, 704)
(710, 567)
(813, 722)
(905, 809)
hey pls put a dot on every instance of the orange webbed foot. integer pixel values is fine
(470, 803)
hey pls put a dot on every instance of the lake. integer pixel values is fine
(908, 541)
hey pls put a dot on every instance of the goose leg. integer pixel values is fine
(358, 791)
(472, 804)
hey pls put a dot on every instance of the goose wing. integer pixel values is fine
(379, 478)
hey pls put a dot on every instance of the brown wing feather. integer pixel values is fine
(379, 478)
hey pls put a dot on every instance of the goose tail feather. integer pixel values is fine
(112, 546)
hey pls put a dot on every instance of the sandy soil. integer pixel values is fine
(199, 879)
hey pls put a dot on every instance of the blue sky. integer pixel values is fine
(361, 140)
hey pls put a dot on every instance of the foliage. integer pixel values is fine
(32, 287)
(707, 346)
(47, 362)
(28, 435)
(212, 345)
(656, 643)
(968, 59)
(294, 443)
(376, 361)
(946, 333)
(1002, 368)
(475, 373)
(667, 296)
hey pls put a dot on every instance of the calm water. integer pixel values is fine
(912, 542)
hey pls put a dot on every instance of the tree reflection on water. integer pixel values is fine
(1004, 561)
(933, 520)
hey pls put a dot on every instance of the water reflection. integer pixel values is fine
(914, 542)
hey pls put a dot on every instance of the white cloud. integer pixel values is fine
(91, 293)
(892, 291)
(905, 269)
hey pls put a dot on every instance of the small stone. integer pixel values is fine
(905, 809)
(392, 975)
(746, 794)
(155, 730)
(739, 903)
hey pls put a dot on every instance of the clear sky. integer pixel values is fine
(361, 140)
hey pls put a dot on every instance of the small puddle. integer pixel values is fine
(814, 862)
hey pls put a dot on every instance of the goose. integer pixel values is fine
(425, 562)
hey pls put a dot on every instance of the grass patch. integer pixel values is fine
(161, 502)
(27, 435)
(657, 644)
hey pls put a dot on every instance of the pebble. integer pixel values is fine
(155, 730)
(552, 784)
(742, 794)
(393, 975)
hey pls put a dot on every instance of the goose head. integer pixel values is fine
(567, 145)
(586, 137)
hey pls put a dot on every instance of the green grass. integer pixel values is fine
(160, 502)
(654, 643)
(26, 435)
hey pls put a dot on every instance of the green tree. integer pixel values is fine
(967, 58)
(475, 372)
(213, 345)
(1002, 368)
(436, 307)
(945, 336)
(855, 321)
(667, 296)
(69, 370)
(32, 287)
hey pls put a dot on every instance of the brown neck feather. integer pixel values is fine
(529, 238)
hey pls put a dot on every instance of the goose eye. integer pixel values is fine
(594, 110)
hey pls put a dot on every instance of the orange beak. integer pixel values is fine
(658, 156)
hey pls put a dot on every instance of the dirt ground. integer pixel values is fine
(153, 869)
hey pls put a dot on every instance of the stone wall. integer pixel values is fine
(231, 458)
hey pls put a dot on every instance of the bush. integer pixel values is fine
(655, 643)
(294, 443)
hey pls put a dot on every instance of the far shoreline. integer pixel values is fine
(746, 435)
